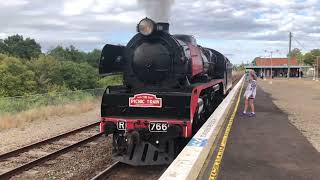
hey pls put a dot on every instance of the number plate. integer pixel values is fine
(121, 125)
(158, 126)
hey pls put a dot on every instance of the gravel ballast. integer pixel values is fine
(300, 98)
(43, 129)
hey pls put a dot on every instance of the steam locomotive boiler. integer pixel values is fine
(171, 85)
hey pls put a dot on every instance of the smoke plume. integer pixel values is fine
(157, 10)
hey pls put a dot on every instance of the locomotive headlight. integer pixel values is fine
(146, 26)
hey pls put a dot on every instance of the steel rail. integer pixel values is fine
(105, 173)
(33, 163)
(37, 144)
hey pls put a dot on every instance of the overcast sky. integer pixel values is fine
(242, 29)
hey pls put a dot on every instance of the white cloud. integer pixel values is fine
(279, 3)
(76, 7)
(238, 13)
(124, 17)
(252, 25)
(6, 3)
(102, 6)
(3, 35)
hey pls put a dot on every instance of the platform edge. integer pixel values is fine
(190, 161)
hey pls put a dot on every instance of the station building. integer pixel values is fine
(278, 67)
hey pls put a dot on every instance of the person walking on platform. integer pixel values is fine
(250, 94)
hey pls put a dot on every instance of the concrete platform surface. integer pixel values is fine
(267, 146)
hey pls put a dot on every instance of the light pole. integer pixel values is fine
(264, 69)
(271, 67)
(314, 72)
(316, 69)
(317, 79)
(271, 52)
(300, 70)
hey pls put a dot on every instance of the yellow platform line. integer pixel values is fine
(216, 166)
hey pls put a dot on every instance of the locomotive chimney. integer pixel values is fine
(163, 26)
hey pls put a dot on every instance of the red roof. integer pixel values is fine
(275, 61)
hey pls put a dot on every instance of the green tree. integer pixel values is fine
(17, 46)
(68, 54)
(58, 53)
(238, 67)
(76, 55)
(3, 48)
(44, 68)
(310, 57)
(110, 80)
(296, 52)
(16, 77)
(72, 54)
(74, 75)
(93, 57)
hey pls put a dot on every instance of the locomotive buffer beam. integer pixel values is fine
(139, 151)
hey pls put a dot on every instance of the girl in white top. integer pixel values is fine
(250, 93)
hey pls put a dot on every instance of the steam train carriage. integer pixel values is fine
(170, 87)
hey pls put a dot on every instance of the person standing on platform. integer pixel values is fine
(250, 94)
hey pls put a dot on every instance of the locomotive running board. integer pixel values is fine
(145, 153)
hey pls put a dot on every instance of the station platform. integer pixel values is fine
(267, 146)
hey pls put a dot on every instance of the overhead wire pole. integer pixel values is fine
(271, 52)
(316, 63)
(289, 58)
(315, 69)
(264, 69)
(317, 79)
(314, 72)
(271, 67)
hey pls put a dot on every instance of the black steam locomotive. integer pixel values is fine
(171, 85)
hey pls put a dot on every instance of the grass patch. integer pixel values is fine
(18, 104)
(20, 119)
(16, 111)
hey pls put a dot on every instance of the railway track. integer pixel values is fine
(120, 170)
(22, 159)
(107, 172)
(236, 78)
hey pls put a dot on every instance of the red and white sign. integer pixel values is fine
(145, 100)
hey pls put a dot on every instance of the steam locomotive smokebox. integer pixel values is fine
(163, 26)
